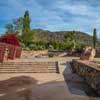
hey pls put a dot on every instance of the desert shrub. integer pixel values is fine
(50, 47)
(50, 55)
(40, 42)
(80, 45)
(22, 45)
(33, 47)
(60, 45)
(55, 44)
(68, 45)
(41, 47)
(26, 48)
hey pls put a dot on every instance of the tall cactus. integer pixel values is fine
(94, 38)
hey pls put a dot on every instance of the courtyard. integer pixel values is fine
(46, 86)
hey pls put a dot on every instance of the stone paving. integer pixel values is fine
(44, 59)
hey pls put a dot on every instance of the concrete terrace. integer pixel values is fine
(47, 86)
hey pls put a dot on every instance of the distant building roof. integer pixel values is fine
(10, 38)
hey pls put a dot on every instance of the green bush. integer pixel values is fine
(60, 45)
(40, 42)
(26, 48)
(80, 45)
(22, 45)
(41, 47)
(55, 44)
(68, 45)
(33, 47)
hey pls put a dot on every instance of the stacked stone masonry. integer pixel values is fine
(90, 73)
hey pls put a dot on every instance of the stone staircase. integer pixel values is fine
(29, 67)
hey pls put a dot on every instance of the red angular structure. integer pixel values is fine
(9, 42)
(2, 52)
(10, 38)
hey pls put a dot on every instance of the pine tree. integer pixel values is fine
(94, 38)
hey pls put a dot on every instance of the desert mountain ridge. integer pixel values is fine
(41, 34)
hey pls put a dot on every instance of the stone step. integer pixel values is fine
(52, 64)
(28, 67)
(26, 63)
(29, 71)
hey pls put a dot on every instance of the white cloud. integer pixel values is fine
(55, 14)
(75, 9)
(79, 9)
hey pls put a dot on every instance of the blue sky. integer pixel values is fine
(54, 15)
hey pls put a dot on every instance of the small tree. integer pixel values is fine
(94, 38)
(70, 37)
(9, 28)
(79, 46)
(18, 24)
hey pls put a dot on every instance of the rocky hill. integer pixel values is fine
(47, 35)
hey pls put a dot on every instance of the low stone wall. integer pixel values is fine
(90, 73)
